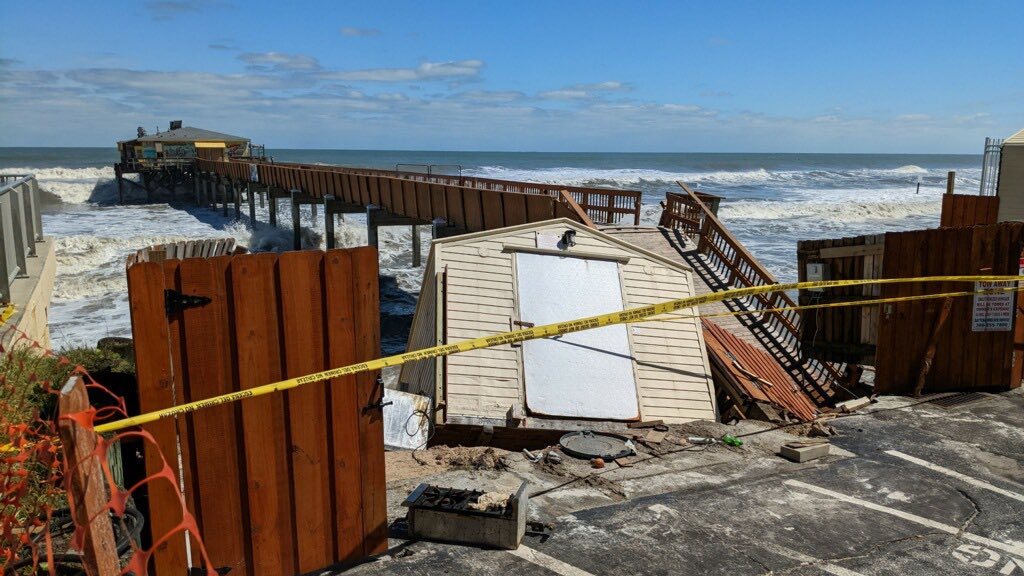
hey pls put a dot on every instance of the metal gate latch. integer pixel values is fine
(175, 301)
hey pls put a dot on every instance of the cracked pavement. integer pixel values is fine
(923, 491)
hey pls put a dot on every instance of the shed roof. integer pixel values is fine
(1015, 140)
(190, 134)
(474, 236)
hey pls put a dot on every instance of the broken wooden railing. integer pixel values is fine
(210, 248)
(364, 185)
(730, 265)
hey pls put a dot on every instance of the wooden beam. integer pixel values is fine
(87, 493)
(845, 251)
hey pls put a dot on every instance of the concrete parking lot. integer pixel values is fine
(911, 489)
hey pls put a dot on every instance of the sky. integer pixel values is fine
(524, 75)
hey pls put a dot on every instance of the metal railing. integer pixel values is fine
(733, 266)
(990, 166)
(21, 226)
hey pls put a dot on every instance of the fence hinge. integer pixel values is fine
(175, 301)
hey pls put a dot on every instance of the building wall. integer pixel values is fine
(418, 377)
(1011, 183)
(670, 363)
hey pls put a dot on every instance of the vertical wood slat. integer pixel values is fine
(154, 378)
(370, 393)
(302, 313)
(453, 203)
(344, 405)
(263, 417)
(493, 213)
(216, 455)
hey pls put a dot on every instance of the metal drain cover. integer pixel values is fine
(958, 399)
(587, 445)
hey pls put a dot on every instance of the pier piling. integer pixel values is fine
(296, 221)
(250, 189)
(273, 208)
(236, 189)
(415, 246)
(225, 185)
(328, 221)
(372, 214)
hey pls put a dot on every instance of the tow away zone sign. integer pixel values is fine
(993, 312)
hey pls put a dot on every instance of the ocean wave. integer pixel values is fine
(808, 178)
(848, 211)
(75, 185)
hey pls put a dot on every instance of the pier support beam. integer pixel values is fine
(296, 221)
(197, 185)
(373, 213)
(236, 192)
(120, 183)
(416, 246)
(225, 185)
(328, 221)
(273, 208)
(250, 188)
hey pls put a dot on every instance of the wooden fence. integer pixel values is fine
(283, 483)
(966, 210)
(963, 358)
(732, 266)
(467, 202)
(186, 249)
(846, 334)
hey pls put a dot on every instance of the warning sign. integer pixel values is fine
(993, 312)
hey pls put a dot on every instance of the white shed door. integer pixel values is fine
(585, 374)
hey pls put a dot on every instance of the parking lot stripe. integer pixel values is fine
(544, 561)
(801, 557)
(1016, 549)
(955, 474)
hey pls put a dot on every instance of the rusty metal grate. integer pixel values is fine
(958, 399)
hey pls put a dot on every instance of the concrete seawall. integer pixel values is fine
(31, 297)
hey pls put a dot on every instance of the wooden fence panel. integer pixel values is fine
(409, 195)
(473, 207)
(423, 200)
(539, 208)
(966, 210)
(964, 359)
(453, 205)
(493, 211)
(514, 207)
(281, 483)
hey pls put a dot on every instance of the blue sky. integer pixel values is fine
(930, 77)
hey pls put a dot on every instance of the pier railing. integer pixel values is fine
(603, 206)
(21, 225)
(729, 262)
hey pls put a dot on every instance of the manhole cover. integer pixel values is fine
(958, 399)
(589, 445)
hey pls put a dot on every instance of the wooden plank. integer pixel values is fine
(397, 197)
(364, 190)
(86, 489)
(493, 212)
(370, 394)
(373, 183)
(514, 207)
(423, 206)
(438, 202)
(411, 205)
(345, 408)
(453, 205)
(175, 338)
(254, 293)
(302, 314)
(473, 209)
(155, 384)
(384, 186)
(219, 490)
(539, 207)
(851, 250)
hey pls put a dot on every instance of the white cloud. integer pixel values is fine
(277, 61)
(463, 69)
(354, 32)
(584, 91)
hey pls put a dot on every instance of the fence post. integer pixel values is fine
(87, 493)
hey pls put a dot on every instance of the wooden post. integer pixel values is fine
(263, 194)
(250, 189)
(120, 183)
(416, 245)
(329, 221)
(236, 192)
(296, 222)
(226, 185)
(371, 225)
(950, 181)
(87, 493)
(197, 184)
(273, 208)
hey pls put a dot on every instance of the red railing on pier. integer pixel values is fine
(730, 265)
(603, 206)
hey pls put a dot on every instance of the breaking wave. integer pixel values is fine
(849, 211)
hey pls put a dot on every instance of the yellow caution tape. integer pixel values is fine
(6, 314)
(624, 317)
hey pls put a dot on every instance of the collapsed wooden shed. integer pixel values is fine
(534, 274)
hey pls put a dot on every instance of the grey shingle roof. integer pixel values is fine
(189, 134)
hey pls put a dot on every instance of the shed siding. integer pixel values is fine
(418, 377)
(1011, 184)
(672, 366)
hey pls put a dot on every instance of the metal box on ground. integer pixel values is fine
(452, 515)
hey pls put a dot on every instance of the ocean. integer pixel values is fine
(770, 202)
